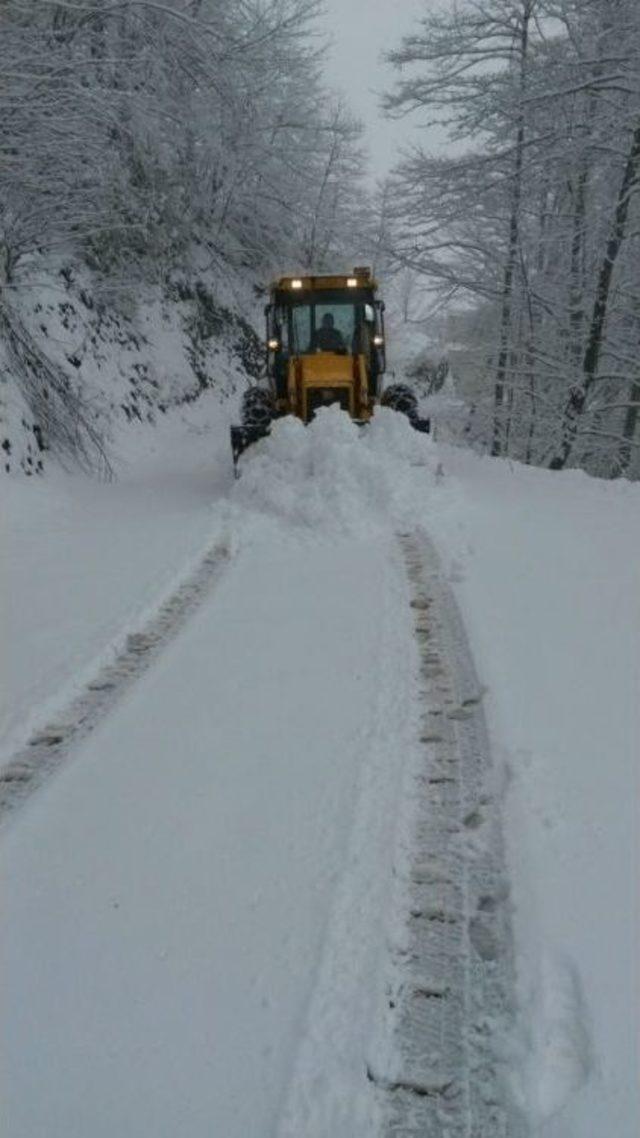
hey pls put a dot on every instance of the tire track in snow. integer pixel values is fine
(450, 981)
(50, 745)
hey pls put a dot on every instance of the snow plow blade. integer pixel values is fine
(243, 437)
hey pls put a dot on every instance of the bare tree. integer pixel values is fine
(533, 222)
(132, 134)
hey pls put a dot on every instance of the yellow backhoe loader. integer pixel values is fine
(325, 345)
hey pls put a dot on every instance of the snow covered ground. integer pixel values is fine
(83, 559)
(207, 882)
(547, 571)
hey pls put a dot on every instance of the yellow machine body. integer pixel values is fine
(325, 346)
(325, 340)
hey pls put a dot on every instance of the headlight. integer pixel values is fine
(273, 345)
(296, 284)
(352, 282)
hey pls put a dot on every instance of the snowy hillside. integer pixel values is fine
(212, 903)
(78, 363)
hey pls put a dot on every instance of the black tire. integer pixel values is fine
(400, 398)
(257, 407)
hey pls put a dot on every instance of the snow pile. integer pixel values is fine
(334, 475)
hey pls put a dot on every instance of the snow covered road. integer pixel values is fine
(171, 889)
(82, 561)
(212, 909)
(206, 824)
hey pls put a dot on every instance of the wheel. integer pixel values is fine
(400, 398)
(257, 407)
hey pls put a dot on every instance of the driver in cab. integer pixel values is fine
(328, 338)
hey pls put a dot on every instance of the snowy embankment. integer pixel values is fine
(78, 361)
(214, 865)
(547, 572)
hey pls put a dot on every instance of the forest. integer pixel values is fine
(168, 149)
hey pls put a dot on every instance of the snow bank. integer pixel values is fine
(547, 572)
(334, 475)
(126, 357)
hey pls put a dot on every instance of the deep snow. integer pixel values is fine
(170, 892)
(547, 571)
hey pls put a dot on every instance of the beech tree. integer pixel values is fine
(134, 133)
(533, 224)
(137, 126)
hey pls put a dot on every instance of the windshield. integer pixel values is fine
(323, 327)
(333, 321)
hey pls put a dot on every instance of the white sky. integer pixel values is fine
(362, 30)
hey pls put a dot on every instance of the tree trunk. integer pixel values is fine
(630, 426)
(500, 429)
(579, 394)
(576, 290)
